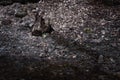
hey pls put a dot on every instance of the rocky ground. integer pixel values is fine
(85, 43)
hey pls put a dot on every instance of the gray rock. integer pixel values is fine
(27, 22)
(20, 13)
(100, 59)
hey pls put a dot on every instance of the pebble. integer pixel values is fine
(27, 22)
(20, 13)
(10, 12)
(100, 59)
(103, 31)
(74, 56)
(112, 60)
(87, 30)
(96, 40)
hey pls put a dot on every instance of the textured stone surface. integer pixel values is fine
(84, 45)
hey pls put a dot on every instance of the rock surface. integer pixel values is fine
(84, 45)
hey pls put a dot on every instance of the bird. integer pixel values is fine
(40, 27)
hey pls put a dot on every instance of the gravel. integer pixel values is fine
(84, 45)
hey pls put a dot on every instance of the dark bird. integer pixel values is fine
(40, 27)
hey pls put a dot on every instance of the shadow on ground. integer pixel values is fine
(27, 68)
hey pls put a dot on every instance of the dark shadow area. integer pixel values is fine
(73, 45)
(106, 2)
(15, 67)
(28, 68)
(9, 2)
